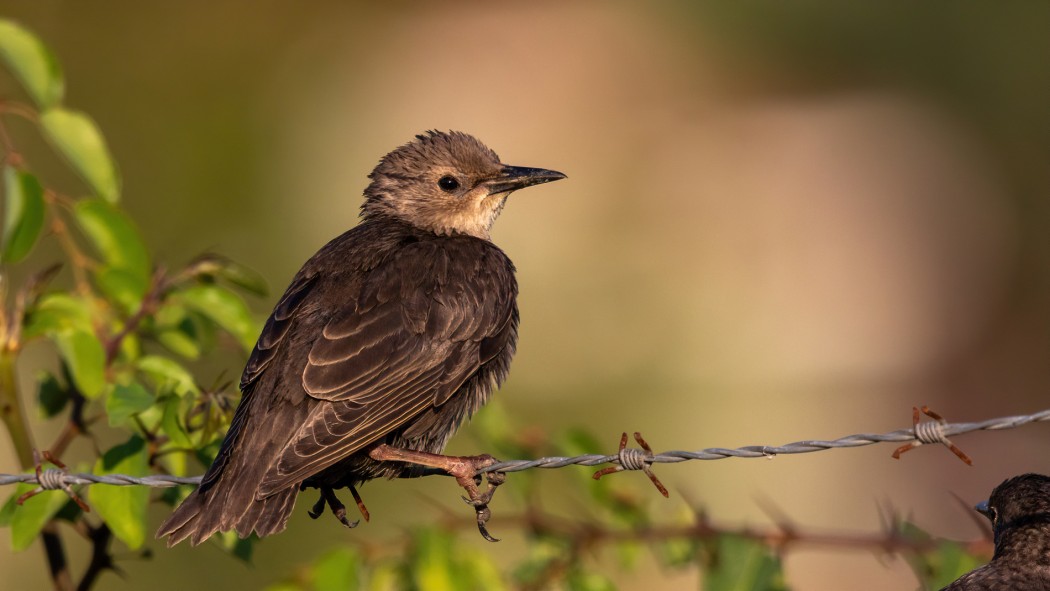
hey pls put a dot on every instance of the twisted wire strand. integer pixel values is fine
(914, 434)
(68, 478)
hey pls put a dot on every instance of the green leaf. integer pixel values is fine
(240, 548)
(167, 373)
(115, 237)
(339, 570)
(584, 581)
(224, 308)
(32, 62)
(171, 425)
(177, 331)
(86, 360)
(7, 512)
(950, 561)
(741, 564)
(123, 287)
(245, 278)
(123, 508)
(386, 576)
(578, 442)
(210, 266)
(126, 400)
(482, 572)
(432, 565)
(70, 512)
(51, 395)
(206, 455)
(23, 212)
(77, 137)
(179, 343)
(941, 565)
(628, 552)
(27, 520)
(542, 553)
(57, 312)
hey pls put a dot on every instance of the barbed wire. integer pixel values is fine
(936, 431)
(916, 435)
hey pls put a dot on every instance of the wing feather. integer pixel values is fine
(277, 326)
(411, 338)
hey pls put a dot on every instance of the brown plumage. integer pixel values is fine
(1019, 510)
(393, 333)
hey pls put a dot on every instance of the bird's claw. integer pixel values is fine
(475, 496)
(338, 508)
(340, 514)
(317, 509)
(484, 514)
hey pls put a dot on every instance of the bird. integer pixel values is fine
(1019, 510)
(387, 339)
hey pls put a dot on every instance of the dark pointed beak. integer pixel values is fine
(512, 178)
(983, 509)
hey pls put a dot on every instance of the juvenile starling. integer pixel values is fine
(1019, 509)
(386, 340)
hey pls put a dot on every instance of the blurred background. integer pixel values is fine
(782, 221)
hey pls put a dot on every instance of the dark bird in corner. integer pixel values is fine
(386, 340)
(1019, 509)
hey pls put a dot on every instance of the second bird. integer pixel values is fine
(384, 343)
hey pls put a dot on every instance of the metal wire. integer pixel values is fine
(156, 481)
(910, 435)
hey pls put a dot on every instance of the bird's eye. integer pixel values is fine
(448, 183)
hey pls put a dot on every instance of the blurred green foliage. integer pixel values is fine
(126, 330)
(123, 328)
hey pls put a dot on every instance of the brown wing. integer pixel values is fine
(266, 347)
(410, 340)
(275, 329)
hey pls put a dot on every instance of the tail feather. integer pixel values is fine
(199, 517)
(272, 517)
(228, 498)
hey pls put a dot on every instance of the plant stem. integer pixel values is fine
(14, 418)
(12, 413)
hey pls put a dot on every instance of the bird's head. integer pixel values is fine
(1017, 501)
(447, 183)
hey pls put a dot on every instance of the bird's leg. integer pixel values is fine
(360, 504)
(463, 468)
(338, 508)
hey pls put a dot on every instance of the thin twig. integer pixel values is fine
(80, 261)
(147, 306)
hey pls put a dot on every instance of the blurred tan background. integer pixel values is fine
(782, 222)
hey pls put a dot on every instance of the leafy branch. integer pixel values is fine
(123, 332)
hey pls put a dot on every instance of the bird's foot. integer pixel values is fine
(338, 508)
(360, 504)
(465, 469)
(476, 497)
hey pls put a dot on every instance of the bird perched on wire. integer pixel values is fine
(1019, 510)
(386, 340)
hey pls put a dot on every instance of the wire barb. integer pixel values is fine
(634, 459)
(930, 432)
(51, 479)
